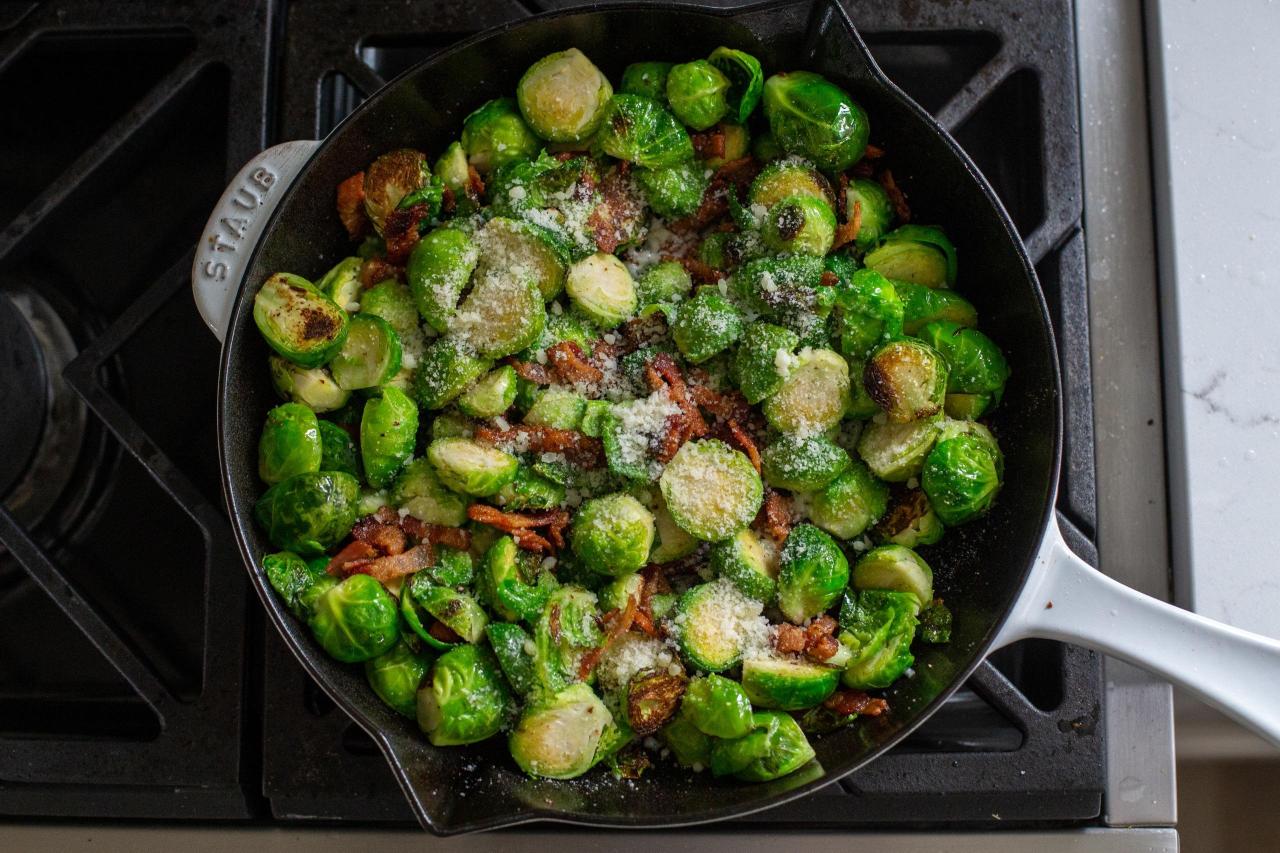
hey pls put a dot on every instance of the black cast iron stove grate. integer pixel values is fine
(131, 681)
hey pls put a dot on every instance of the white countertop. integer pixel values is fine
(1216, 148)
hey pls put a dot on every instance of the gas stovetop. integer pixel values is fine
(137, 679)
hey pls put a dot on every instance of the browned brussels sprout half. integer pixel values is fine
(907, 378)
(641, 130)
(389, 179)
(298, 321)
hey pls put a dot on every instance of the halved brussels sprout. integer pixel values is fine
(419, 492)
(445, 370)
(803, 463)
(641, 130)
(746, 81)
(907, 378)
(814, 395)
(670, 541)
(440, 266)
(557, 407)
(870, 313)
(509, 247)
(309, 513)
(895, 568)
(800, 224)
(342, 283)
(922, 305)
(896, 452)
(763, 348)
(653, 697)
(909, 520)
(491, 395)
(879, 627)
(850, 503)
(613, 534)
(787, 685)
(312, 387)
(781, 287)
(355, 620)
(511, 644)
(815, 118)
(370, 356)
(298, 321)
(566, 630)
(388, 432)
(713, 623)
(711, 490)
(813, 572)
(423, 603)
(875, 209)
(646, 78)
(558, 735)
(290, 443)
(393, 302)
(962, 475)
(750, 562)
(689, 746)
(389, 179)
(395, 676)
(706, 325)
(296, 581)
(785, 179)
(601, 287)
(697, 93)
(921, 254)
(775, 747)
(453, 424)
(975, 365)
(674, 191)
(495, 135)
(467, 700)
(666, 281)
(563, 96)
(452, 170)
(717, 706)
(471, 468)
(530, 490)
(505, 582)
(501, 315)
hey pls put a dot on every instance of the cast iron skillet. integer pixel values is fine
(1005, 577)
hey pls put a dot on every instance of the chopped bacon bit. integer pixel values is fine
(774, 518)
(527, 540)
(846, 702)
(351, 205)
(897, 196)
(521, 525)
(829, 279)
(443, 633)
(385, 569)
(745, 443)
(862, 169)
(726, 405)
(354, 551)
(475, 183)
(873, 152)
(377, 270)
(700, 273)
(848, 231)
(663, 367)
(842, 196)
(672, 437)
(734, 176)
(644, 621)
(789, 639)
(620, 203)
(553, 623)
(531, 371)
(819, 638)
(619, 622)
(624, 167)
(451, 537)
(578, 448)
(570, 364)
(387, 538)
(709, 143)
(401, 231)
(448, 203)
(642, 331)
(603, 353)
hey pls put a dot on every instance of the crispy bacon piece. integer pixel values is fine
(385, 569)
(864, 168)
(400, 231)
(671, 439)
(873, 152)
(744, 442)
(443, 633)
(726, 405)
(842, 196)
(570, 364)
(819, 638)
(448, 203)
(846, 702)
(553, 623)
(475, 184)
(351, 205)
(642, 331)
(620, 203)
(521, 525)
(896, 195)
(734, 176)
(353, 552)
(774, 518)
(387, 538)
(848, 232)
(709, 143)
(618, 622)
(700, 273)
(376, 270)
(789, 639)
(531, 371)
(578, 448)
(829, 279)
(436, 534)
(566, 156)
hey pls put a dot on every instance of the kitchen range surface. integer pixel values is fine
(138, 678)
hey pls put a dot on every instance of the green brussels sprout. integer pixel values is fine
(616, 593)
(298, 321)
(670, 541)
(787, 685)
(907, 378)
(728, 250)
(290, 443)
(821, 720)
(369, 357)
(452, 424)
(418, 491)
(875, 210)
(800, 224)
(510, 246)
(935, 623)
(909, 520)
(896, 452)
(861, 406)
(689, 746)
(613, 534)
(676, 190)
(355, 620)
(388, 432)
(713, 623)
(813, 571)
(779, 287)
(757, 359)
(557, 407)
(962, 475)
(501, 315)
(423, 603)
(558, 735)
(511, 645)
(750, 562)
(711, 490)
(439, 267)
(746, 81)
(395, 676)
(815, 118)
(775, 748)
(445, 370)
(923, 305)
(765, 148)
(737, 144)
(467, 700)
(452, 170)
(643, 131)
(920, 254)
(706, 325)
(601, 287)
(697, 93)
(505, 585)
(491, 395)
(389, 179)
(879, 626)
(975, 365)
(646, 78)
(803, 463)
(530, 490)
(717, 706)
(667, 281)
(312, 387)
(850, 503)
(296, 581)
(563, 95)
(393, 302)
(495, 135)
(814, 395)
(564, 326)
(895, 568)
(471, 468)
(557, 653)
(337, 451)
(309, 513)
(870, 313)
(786, 179)
(429, 195)
(342, 284)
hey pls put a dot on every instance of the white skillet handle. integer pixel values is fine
(236, 225)
(1067, 599)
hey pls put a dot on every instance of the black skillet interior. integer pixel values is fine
(979, 568)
